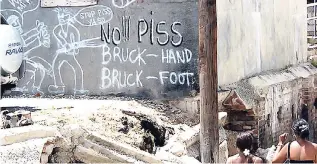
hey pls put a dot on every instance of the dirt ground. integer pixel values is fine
(102, 116)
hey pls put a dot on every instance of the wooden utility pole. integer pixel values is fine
(208, 81)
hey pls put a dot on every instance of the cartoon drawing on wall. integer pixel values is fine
(122, 3)
(37, 67)
(24, 6)
(94, 15)
(69, 43)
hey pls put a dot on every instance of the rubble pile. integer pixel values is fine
(112, 131)
(109, 131)
(15, 119)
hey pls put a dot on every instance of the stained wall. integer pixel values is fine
(149, 48)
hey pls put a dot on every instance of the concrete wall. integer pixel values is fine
(254, 36)
(258, 35)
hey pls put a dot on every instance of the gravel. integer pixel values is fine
(30, 151)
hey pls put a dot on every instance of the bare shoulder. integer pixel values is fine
(257, 160)
(232, 158)
(315, 145)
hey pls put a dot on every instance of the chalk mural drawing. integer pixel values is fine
(122, 3)
(33, 39)
(94, 15)
(69, 43)
(24, 6)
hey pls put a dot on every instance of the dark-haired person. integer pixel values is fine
(244, 143)
(298, 151)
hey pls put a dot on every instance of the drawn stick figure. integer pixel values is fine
(32, 40)
(68, 41)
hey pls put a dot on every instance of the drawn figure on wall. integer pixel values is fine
(37, 67)
(68, 42)
(122, 3)
(20, 4)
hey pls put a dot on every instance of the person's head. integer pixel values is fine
(301, 129)
(244, 141)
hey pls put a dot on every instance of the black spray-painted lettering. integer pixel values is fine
(114, 41)
(174, 31)
(145, 28)
(162, 32)
(117, 35)
(142, 31)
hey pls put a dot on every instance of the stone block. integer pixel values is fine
(21, 134)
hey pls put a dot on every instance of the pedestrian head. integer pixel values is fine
(244, 142)
(301, 129)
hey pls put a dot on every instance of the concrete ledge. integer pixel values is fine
(292, 73)
(21, 134)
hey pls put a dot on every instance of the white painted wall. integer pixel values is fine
(259, 35)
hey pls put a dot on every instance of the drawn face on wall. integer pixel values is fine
(63, 16)
(15, 22)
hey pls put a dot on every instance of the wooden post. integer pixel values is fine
(209, 133)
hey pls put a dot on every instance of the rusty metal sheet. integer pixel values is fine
(67, 3)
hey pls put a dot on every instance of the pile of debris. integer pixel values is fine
(116, 131)
(15, 119)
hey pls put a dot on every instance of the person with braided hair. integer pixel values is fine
(244, 144)
(299, 151)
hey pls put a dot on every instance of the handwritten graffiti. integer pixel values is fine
(122, 3)
(94, 15)
(144, 27)
(134, 50)
(23, 6)
(116, 35)
(156, 32)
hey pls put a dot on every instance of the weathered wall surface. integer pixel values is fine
(149, 47)
(258, 35)
(112, 47)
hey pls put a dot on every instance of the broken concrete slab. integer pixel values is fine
(102, 151)
(191, 136)
(178, 144)
(90, 156)
(122, 148)
(21, 134)
(48, 147)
